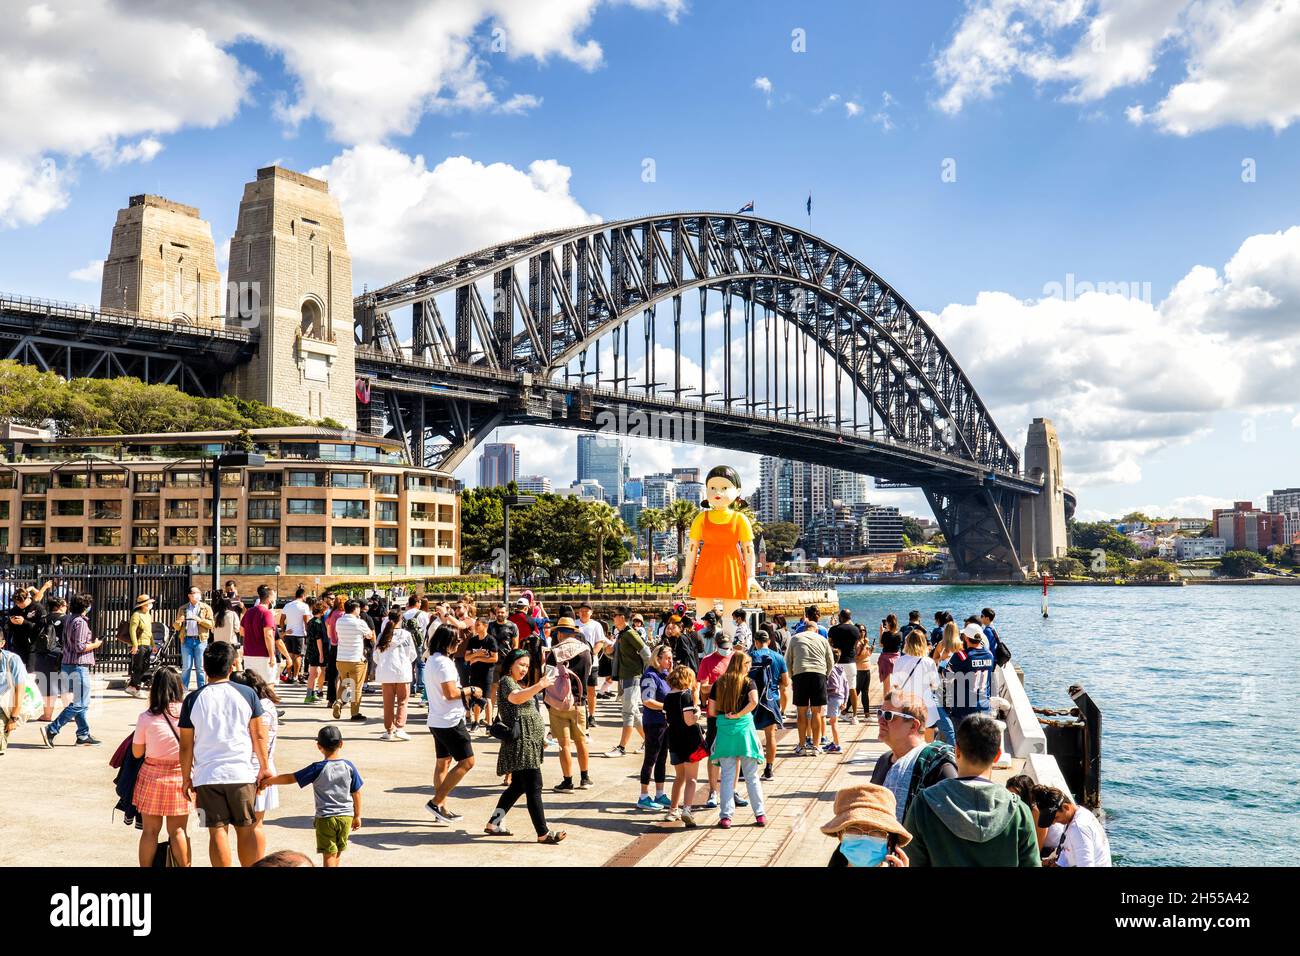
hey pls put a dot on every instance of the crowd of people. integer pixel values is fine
(688, 692)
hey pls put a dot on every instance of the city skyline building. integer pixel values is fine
(604, 460)
(498, 465)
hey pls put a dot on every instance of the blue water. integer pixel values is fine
(1200, 719)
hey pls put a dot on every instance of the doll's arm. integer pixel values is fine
(688, 567)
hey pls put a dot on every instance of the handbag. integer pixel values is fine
(506, 733)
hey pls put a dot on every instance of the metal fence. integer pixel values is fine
(113, 590)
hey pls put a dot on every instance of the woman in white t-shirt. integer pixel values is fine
(394, 655)
(269, 797)
(916, 674)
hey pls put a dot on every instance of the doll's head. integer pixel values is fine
(721, 488)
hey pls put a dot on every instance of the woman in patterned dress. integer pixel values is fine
(522, 758)
(160, 788)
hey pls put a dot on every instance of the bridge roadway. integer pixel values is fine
(518, 399)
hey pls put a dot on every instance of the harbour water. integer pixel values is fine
(1200, 755)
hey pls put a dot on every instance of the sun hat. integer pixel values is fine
(142, 600)
(868, 806)
(565, 624)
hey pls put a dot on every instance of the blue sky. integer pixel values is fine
(1093, 140)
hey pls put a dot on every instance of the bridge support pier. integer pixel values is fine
(979, 525)
(1042, 516)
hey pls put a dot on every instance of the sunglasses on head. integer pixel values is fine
(887, 715)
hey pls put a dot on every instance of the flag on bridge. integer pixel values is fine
(363, 391)
(748, 207)
(810, 204)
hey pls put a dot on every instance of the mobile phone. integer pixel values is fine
(551, 670)
(892, 842)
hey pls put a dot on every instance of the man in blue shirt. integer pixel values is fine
(777, 693)
(811, 619)
(990, 634)
(973, 667)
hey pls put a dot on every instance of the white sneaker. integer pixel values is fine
(401, 735)
(386, 736)
(672, 816)
(853, 720)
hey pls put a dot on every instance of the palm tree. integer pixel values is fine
(651, 520)
(605, 524)
(680, 514)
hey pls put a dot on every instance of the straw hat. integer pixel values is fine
(142, 600)
(868, 806)
(564, 623)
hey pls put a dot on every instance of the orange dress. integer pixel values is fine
(719, 568)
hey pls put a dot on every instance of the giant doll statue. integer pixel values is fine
(720, 564)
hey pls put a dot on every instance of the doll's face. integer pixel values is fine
(721, 493)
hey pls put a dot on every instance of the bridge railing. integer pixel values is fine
(69, 310)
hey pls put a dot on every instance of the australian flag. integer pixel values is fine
(809, 204)
(748, 207)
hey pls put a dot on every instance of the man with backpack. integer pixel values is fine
(564, 700)
(910, 764)
(771, 676)
(415, 620)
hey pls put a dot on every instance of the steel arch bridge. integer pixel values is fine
(798, 350)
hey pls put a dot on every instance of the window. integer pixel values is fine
(384, 537)
(8, 480)
(419, 481)
(144, 537)
(313, 325)
(4, 511)
(110, 479)
(185, 479)
(68, 536)
(264, 537)
(349, 537)
(145, 509)
(229, 508)
(107, 537)
(385, 561)
(385, 510)
(73, 479)
(447, 514)
(306, 479)
(69, 509)
(350, 508)
(385, 484)
(307, 534)
(182, 537)
(33, 510)
(305, 563)
(229, 537)
(265, 510)
(184, 508)
(349, 564)
(265, 480)
(148, 482)
(4, 539)
(106, 509)
(36, 484)
(33, 538)
(347, 479)
(421, 538)
(335, 452)
(304, 506)
(231, 479)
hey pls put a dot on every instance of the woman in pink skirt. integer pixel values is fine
(160, 790)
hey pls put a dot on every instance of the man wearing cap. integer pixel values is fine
(972, 667)
(140, 633)
(866, 823)
(194, 621)
(566, 648)
(523, 622)
(633, 657)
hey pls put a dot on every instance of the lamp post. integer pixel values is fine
(227, 459)
(508, 502)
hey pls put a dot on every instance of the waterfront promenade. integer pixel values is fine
(58, 802)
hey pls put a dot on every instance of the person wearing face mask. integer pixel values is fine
(867, 827)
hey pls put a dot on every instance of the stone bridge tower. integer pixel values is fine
(1042, 517)
(290, 279)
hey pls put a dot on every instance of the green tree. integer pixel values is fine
(651, 521)
(1241, 564)
(780, 536)
(1064, 567)
(1153, 569)
(1098, 534)
(679, 516)
(606, 525)
(912, 529)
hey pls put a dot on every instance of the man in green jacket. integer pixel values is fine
(632, 654)
(970, 820)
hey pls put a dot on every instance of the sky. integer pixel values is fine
(1094, 202)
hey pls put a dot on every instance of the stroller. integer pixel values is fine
(164, 639)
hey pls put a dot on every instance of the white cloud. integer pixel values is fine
(92, 271)
(852, 109)
(1238, 56)
(402, 215)
(1124, 378)
(763, 85)
(106, 79)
